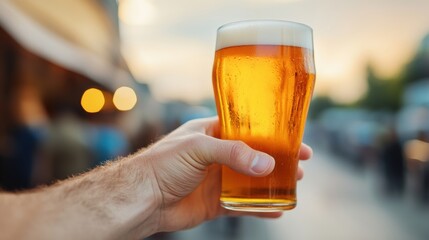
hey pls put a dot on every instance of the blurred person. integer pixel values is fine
(393, 163)
(172, 185)
(424, 138)
(64, 152)
(25, 129)
(425, 183)
(417, 152)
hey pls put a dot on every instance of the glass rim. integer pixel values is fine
(274, 21)
(264, 32)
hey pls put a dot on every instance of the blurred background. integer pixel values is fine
(86, 81)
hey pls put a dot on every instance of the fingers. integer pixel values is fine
(243, 159)
(305, 152)
(300, 173)
(210, 126)
(234, 154)
(238, 156)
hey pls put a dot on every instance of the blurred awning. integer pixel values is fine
(75, 34)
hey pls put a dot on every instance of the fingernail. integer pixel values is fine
(260, 164)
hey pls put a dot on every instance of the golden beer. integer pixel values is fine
(263, 87)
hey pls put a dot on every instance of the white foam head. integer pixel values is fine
(264, 32)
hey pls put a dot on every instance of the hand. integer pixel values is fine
(173, 185)
(187, 171)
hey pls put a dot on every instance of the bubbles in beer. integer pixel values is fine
(263, 78)
(265, 100)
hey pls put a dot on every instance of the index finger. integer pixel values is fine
(208, 126)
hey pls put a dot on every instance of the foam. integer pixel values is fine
(264, 32)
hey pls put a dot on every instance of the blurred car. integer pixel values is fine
(413, 118)
(354, 133)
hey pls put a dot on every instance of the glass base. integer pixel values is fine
(258, 207)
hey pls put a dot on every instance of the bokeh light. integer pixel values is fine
(92, 100)
(124, 98)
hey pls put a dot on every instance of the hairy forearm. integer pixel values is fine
(113, 201)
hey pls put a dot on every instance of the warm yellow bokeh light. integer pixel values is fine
(92, 100)
(124, 98)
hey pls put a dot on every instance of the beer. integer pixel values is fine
(263, 89)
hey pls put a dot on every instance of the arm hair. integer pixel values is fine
(116, 200)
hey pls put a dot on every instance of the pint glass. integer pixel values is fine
(263, 80)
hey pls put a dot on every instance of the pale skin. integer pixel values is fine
(170, 186)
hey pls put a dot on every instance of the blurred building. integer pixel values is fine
(51, 53)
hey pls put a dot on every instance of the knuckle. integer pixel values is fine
(192, 140)
(190, 122)
(238, 150)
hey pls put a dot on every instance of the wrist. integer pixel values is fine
(143, 197)
(119, 199)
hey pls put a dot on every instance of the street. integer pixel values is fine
(335, 201)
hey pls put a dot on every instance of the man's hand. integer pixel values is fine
(186, 167)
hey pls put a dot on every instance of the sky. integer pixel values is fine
(170, 44)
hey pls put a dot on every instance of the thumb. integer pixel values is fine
(239, 157)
